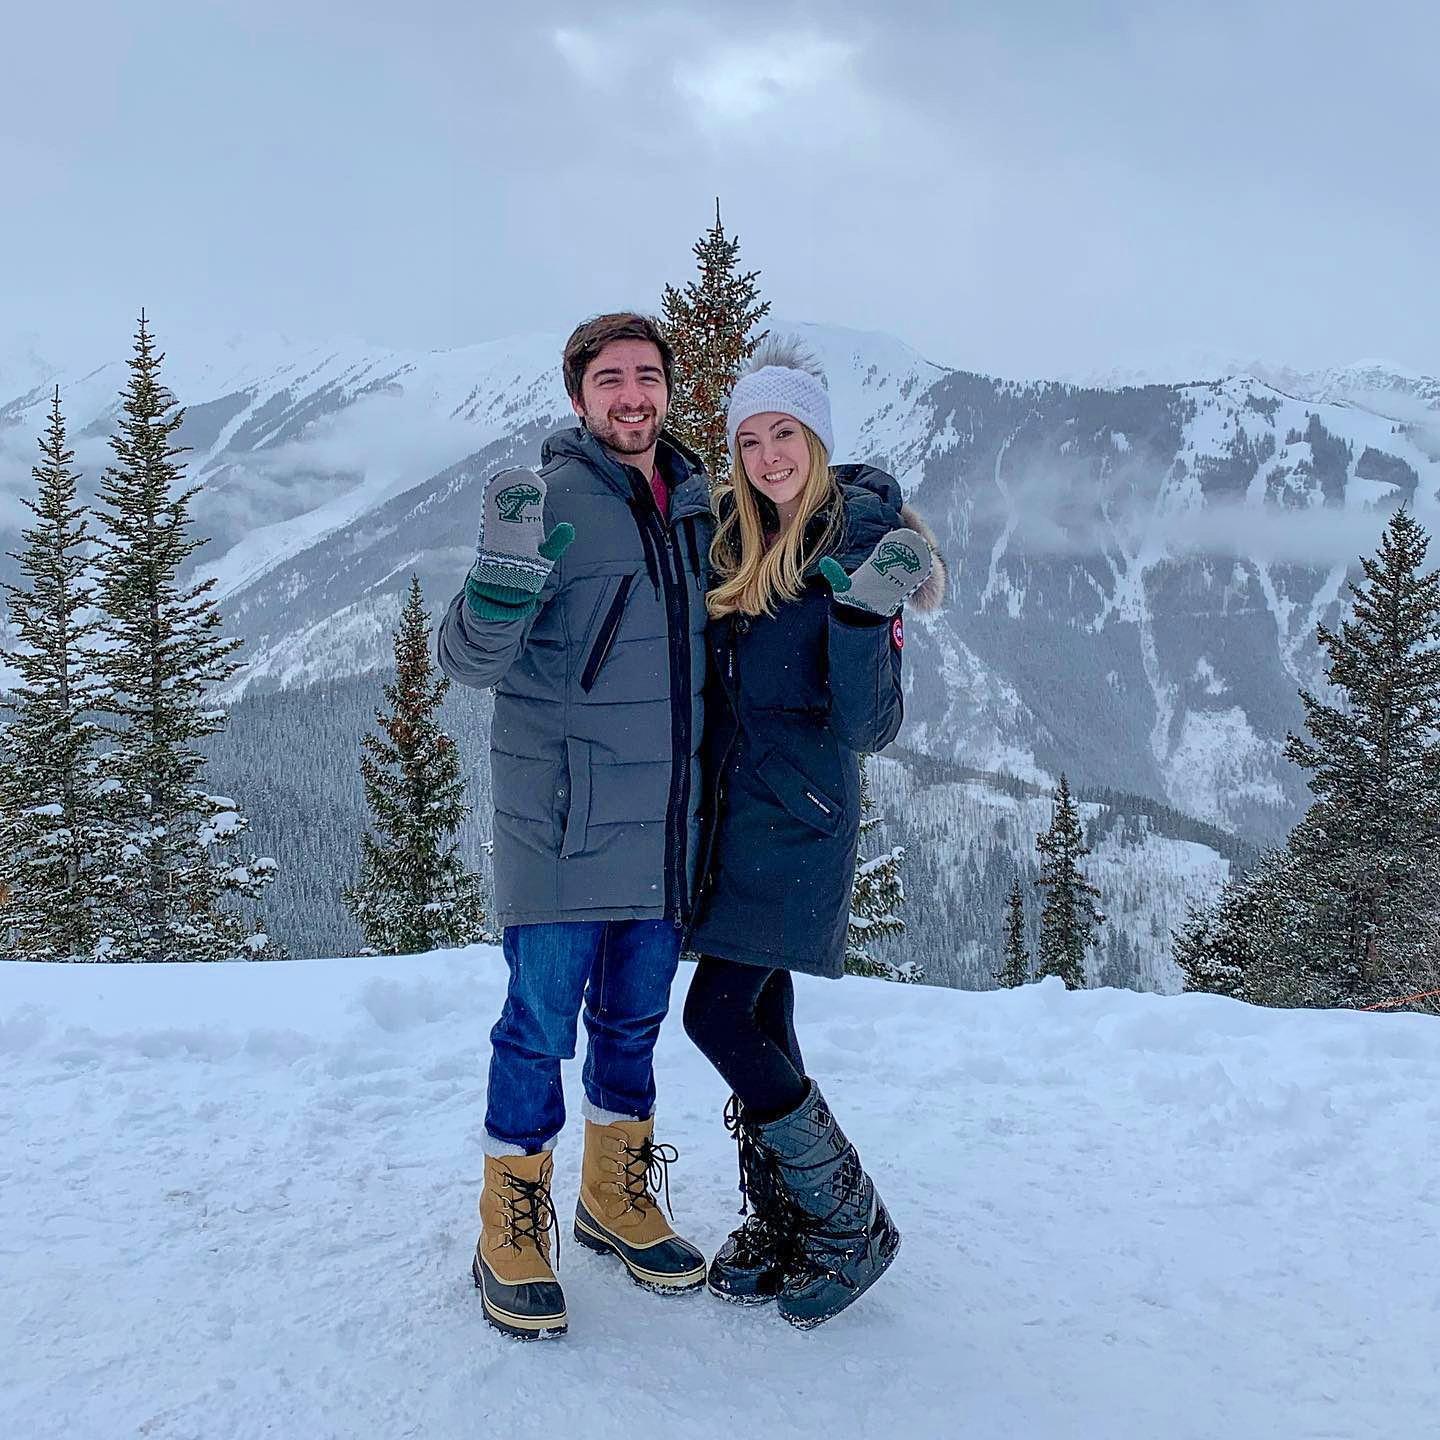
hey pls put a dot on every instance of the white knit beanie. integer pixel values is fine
(786, 379)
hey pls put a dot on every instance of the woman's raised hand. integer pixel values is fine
(893, 571)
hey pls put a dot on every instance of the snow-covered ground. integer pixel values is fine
(239, 1201)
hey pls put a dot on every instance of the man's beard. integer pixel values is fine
(627, 439)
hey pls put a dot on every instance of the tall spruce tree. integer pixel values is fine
(172, 879)
(1368, 849)
(709, 322)
(414, 893)
(1015, 965)
(51, 833)
(875, 900)
(1070, 919)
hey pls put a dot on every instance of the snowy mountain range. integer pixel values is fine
(1379, 385)
(1139, 570)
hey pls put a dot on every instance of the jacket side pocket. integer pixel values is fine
(577, 817)
(799, 795)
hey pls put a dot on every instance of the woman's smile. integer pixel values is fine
(776, 457)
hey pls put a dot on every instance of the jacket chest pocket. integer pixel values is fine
(602, 634)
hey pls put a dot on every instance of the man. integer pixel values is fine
(585, 610)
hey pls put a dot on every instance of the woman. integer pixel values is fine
(813, 564)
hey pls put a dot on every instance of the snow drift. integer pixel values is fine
(239, 1201)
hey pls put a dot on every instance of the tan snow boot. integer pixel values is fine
(518, 1289)
(617, 1213)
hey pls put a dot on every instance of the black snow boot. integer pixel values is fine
(749, 1268)
(844, 1239)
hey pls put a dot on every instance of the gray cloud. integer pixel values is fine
(1024, 190)
(19, 453)
(1271, 535)
(393, 439)
(1047, 516)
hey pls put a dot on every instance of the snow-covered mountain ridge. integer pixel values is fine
(1139, 571)
(1380, 385)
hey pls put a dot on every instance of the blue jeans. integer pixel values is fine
(621, 970)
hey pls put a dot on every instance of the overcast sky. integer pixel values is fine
(1024, 187)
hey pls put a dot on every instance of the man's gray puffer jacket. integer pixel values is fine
(594, 752)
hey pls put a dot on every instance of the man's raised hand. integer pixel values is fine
(513, 556)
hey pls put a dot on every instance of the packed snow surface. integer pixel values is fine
(239, 1201)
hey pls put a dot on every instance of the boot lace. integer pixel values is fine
(747, 1153)
(768, 1233)
(529, 1215)
(647, 1173)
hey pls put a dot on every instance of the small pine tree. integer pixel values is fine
(1208, 958)
(1215, 948)
(1119, 964)
(709, 323)
(1015, 966)
(1246, 942)
(50, 828)
(169, 863)
(414, 894)
(1070, 919)
(875, 901)
(1369, 846)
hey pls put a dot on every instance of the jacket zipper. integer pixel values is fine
(716, 795)
(677, 607)
(605, 637)
(692, 545)
(677, 617)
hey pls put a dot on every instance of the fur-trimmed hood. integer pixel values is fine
(873, 507)
(931, 595)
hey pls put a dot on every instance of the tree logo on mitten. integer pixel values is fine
(893, 553)
(513, 499)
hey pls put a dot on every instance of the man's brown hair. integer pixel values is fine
(595, 334)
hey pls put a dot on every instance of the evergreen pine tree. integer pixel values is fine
(414, 894)
(1210, 956)
(875, 901)
(169, 864)
(1015, 967)
(1119, 964)
(50, 829)
(1254, 941)
(1368, 849)
(1070, 918)
(709, 323)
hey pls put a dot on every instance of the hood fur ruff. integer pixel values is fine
(931, 595)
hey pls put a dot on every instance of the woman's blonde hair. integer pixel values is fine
(755, 580)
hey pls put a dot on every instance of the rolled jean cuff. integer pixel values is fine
(598, 1115)
(493, 1146)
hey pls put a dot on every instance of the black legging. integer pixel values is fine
(742, 1018)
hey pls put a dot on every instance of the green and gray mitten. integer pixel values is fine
(893, 571)
(513, 556)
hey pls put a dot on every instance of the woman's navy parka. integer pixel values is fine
(791, 701)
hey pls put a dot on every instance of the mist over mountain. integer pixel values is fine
(1138, 570)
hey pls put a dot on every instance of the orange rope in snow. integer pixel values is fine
(1403, 1000)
